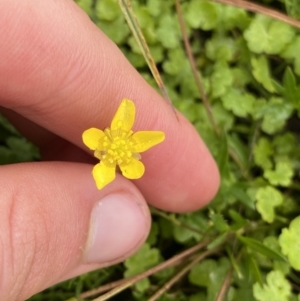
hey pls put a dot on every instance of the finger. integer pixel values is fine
(51, 146)
(66, 76)
(53, 216)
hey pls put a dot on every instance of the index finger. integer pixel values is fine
(61, 72)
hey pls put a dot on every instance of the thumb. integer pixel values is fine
(55, 225)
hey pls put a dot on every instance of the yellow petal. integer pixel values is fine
(91, 137)
(134, 170)
(103, 174)
(143, 140)
(124, 117)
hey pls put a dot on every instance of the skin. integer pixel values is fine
(60, 75)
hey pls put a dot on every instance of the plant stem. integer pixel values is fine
(194, 68)
(125, 283)
(178, 276)
(175, 221)
(225, 285)
(262, 10)
(134, 26)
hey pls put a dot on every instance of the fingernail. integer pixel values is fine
(117, 226)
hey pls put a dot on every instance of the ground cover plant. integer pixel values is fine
(244, 100)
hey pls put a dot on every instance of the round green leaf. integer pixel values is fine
(107, 10)
(289, 241)
(202, 14)
(168, 32)
(262, 153)
(282, 175)
(267, 199)
(276, 289)
(241, 104)
(267, 35)
(145, 258)
(261, 72)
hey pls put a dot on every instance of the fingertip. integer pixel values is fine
(59, 224)
(117, 227)
(182, 170)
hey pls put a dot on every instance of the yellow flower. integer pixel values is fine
(118, 145)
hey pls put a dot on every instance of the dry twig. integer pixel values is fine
(178, 276)
(261, 10)
(124, 283)
(194, 68)
(225, 285)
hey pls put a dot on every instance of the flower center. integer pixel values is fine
(115, 148)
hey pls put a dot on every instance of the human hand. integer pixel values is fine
(60, 75)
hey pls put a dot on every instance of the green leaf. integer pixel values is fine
(165, 273)
(239, 148)
(142, 285)
(152, 237)
(263, 152)
(219, 222)
(289, 241)
(217, 241)
(282, 175)
(189, 109)
(291, 90)
(223, 118)
(254, 269)
(241, 77)
(221, 48)
(293, 8)
(267, 35)
(243, 293)
(117, 30)
(134, 45)
(242, 196)
(166, 228)
(241, 104)
(210, 273)
(168, 32)
(154, 7)
(276, 289)
(233, 17)
(239, 221)
(217, 277)
(144, 18)
(221, 80)
(196, 221)
(107, 10)
(274, 114)
(282, 266)
(234, 263)
(144, 259)
(137, 60)
(201, 14)
(272, 243)
(261, 72)
(176, 62)
(292, 52)
(21, 150)
(199, 274)
(267, 199)
(222, 155)
(285, 144)
(209, 136)
(259, 247)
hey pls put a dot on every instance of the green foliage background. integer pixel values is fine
(250, 66)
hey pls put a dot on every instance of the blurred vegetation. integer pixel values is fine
(250, 69)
